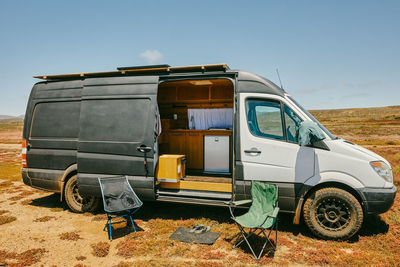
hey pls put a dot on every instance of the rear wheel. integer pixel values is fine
(75, 201)
(332, 213)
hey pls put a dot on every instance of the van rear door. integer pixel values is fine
(117, 118)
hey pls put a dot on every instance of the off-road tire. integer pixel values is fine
(76, 202)
(333, 213)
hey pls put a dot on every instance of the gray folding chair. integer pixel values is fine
(119, 200)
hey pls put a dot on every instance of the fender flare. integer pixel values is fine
(67, 172)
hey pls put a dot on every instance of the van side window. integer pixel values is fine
(292, 123)
(264, 118)
(56, 120)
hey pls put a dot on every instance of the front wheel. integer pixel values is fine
(75, 201)
(332, 213)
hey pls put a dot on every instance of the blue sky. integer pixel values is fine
(330, 54)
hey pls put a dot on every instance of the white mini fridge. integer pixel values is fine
(216, 153)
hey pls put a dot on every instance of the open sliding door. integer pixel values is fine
(117, 118)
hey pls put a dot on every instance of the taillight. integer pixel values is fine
(23, 154)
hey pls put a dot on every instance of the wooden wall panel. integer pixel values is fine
(177, 97)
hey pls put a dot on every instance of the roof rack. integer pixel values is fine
(151, 69)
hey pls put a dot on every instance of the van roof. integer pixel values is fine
(251, 82)
(138, 70)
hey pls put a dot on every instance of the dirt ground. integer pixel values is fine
(37, 230)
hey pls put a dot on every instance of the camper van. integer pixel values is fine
(200, 135)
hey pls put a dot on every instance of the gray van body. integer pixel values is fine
(97, 124)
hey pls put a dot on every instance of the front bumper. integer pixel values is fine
(378, 200)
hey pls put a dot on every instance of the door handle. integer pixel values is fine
(253, 151)
(143, 149)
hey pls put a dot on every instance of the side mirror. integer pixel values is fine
(309, 133)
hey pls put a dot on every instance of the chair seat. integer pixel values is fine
(255, 220)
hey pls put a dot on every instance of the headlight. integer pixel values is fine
(383, 170)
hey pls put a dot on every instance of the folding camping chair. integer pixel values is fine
(119, 200)
(261, 216)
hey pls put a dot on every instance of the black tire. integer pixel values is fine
(333, 213)
(75, 201)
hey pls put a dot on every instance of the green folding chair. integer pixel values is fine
(261, 217)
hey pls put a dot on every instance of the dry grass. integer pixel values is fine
(3, 211)
(99, 218)
(80, 258)
(26, 258)
(15, 198)
(44, 219)
(100, 249)
(6, 219)
(10, 170)
(71, 236)
(26, 202)
(377, 244)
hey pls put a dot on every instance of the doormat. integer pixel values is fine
(183, 234)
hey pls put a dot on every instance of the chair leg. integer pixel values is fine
(245, 237)
(276, 233)
(109, 230)
(265, 243)
(252, 251)
(133, 225)
(242, 233)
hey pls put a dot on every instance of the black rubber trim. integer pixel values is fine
(378, 200)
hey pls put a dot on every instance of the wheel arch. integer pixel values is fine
(339, 185)
(307, 191)
(68, 173)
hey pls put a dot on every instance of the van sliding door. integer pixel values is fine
(117, 122)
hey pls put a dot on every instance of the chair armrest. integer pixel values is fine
(239, 202)
(275, 212)
(233, 204)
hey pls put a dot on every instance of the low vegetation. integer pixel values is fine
(44, 219)
(100, 249)
(378, 242)
(6, 219)
(71, 236)
(26, 258)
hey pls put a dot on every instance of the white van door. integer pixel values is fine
(268, 144)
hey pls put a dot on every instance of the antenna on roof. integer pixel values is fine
(279, 77)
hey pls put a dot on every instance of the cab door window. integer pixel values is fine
(292, 123)
(264, 119)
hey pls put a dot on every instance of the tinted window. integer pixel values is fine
(292, 122)
(264, 119)
(56, 119)
(121, 120)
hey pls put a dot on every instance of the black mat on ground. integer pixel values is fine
(183, 234)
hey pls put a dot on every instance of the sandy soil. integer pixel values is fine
(25, 233)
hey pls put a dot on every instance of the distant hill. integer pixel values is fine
(8, 117)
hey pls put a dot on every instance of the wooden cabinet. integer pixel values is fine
(189, 143)
(177, 143)
(194, 150)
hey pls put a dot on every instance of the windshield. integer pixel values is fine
(312, 118)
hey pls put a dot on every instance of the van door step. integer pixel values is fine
(194, 194)
(188, 200)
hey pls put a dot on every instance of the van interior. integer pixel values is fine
(196, 121)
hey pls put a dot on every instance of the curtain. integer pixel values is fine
(204, 119)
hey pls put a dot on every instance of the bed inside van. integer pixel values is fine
(196, 127)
